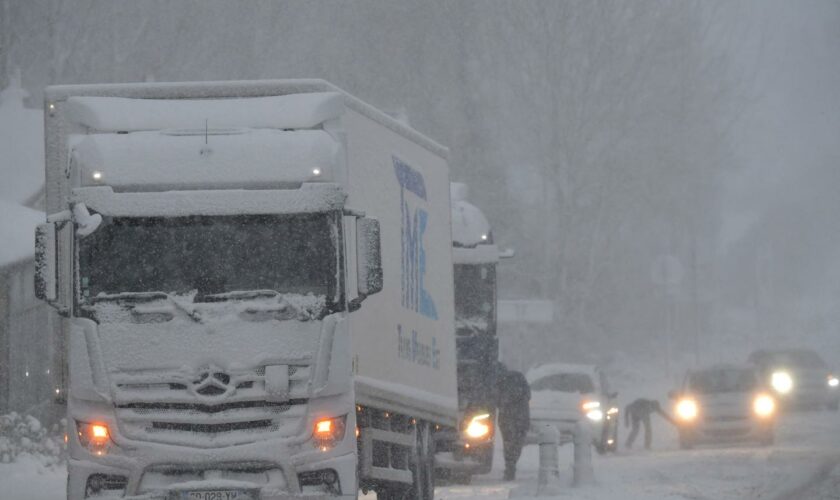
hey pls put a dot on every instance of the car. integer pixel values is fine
(724, 403)
(564, 394)
(799, 377)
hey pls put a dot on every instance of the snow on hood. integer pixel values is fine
(554, 368)
(295, 111)
(562, 402)
(17, 232)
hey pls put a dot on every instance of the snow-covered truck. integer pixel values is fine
(257, 301)
(468, 450)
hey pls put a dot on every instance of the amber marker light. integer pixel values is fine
(94, 436)
(328, 432)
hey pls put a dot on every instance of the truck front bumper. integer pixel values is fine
(294, 476)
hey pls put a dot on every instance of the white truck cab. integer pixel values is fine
(254, 305)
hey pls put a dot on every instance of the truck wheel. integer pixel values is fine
(422, 469)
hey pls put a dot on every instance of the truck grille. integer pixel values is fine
(235, 409)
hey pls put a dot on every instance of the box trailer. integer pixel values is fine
(256, 286)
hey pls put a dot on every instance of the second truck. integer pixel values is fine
(468, 449)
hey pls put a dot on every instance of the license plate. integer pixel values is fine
(216, 495)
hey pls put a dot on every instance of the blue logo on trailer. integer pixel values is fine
(414, 295)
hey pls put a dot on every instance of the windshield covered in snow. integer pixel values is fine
(210, 255)
(718, 381)
(565, 382)
(475, 296)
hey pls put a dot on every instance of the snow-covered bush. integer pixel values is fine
(21, 434)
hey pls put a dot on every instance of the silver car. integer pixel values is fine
(564, 394)
(724, 403)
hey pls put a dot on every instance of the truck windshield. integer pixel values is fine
(211, 255)
(475, 298)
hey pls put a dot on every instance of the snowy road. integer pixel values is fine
(802, 466)
(808, 445)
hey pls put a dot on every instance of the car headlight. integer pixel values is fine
(595, 415)
(94, 436)
(592, 410)
(782, 382)
(764, 405)
(479, 427)
(832, 381)
(687, 409)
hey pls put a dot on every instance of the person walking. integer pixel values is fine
(638, 413)
(514, 416)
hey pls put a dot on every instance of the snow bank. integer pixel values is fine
(23, 435)
(30, 479)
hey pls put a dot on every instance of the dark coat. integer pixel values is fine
(514, 399)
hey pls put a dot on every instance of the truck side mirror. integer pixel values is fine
(368, 256)
(53, 251)
(46, 263)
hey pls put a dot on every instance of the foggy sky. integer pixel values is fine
(599, 137)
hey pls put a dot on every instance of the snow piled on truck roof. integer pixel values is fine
(469, 225)
(118, 114)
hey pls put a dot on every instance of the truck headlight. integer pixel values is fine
(328, 432)
(687, 409)
(764, 405)
(832, 381)
(479, 427)
(781, 381)
(94, 436)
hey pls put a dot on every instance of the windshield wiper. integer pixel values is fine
(130, 296)
(238, 294)
(191, 313)
(148, 297)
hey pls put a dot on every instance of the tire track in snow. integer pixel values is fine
(814, 484)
